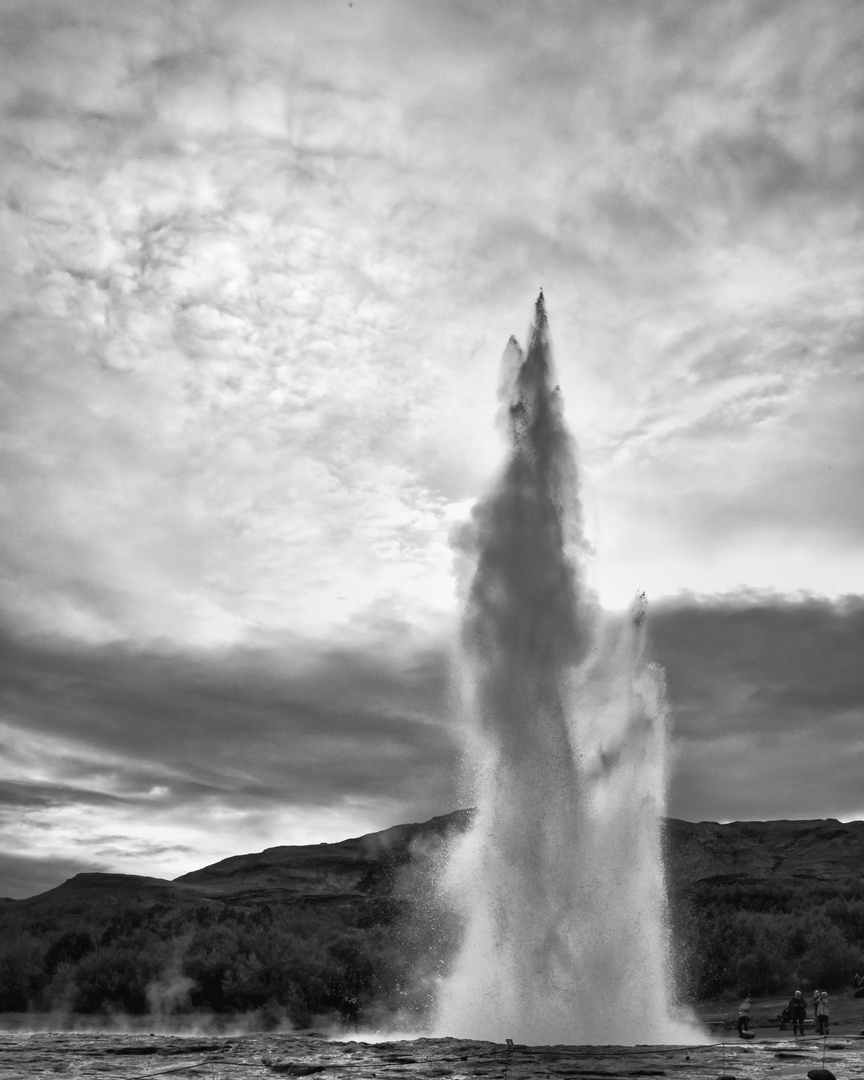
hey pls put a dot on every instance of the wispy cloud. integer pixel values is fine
(279, 254)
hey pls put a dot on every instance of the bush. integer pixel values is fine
(830, 959)
(69, 948)
(114, 978)
(22, 974)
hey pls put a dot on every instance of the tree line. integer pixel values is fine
(766, 937)
(284, 963)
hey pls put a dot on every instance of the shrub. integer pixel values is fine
(831, 958)
(21, 973)
(114, 978)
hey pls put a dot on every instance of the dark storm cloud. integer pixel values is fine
(767, 698)
(249, 726)
(23, 795)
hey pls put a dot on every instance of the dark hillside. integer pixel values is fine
(355, 868)
(813, 850)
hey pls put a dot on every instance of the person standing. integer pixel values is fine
(744, 1016)
(822, 1014)
(797, 1012)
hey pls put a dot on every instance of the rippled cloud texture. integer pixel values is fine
(260, 264)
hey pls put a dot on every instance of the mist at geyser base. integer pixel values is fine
(559, 882)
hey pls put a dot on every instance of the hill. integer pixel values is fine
(359, 868)
(346, 929)
(826, 851)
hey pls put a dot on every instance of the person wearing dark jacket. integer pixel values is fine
(797, 1012)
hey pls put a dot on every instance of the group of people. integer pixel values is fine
(795, 1011)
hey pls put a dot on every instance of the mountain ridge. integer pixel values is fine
(357, 867)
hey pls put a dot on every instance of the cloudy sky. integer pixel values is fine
(260, 262)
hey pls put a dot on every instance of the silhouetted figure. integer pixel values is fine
(797, 1012)
(822, 1014)
(744, 1016)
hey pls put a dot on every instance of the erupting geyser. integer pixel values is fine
(560, 879)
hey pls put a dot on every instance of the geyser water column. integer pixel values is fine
(559, 881)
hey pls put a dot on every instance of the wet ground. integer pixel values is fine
(25, 1055)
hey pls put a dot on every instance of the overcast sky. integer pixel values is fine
(260, 263)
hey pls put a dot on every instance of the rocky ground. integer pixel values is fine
(124, 1057)
(133, 1056)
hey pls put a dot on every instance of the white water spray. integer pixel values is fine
(560, 878)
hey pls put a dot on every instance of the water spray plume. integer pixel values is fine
(559, 881)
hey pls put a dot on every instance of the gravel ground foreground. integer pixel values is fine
(25, 1055)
